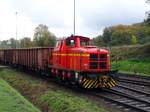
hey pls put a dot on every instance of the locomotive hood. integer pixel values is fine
(93, 49)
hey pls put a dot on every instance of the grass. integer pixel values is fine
(46, 96)
(141, 66)
(134, 59)
(63, 102)
(12, 101)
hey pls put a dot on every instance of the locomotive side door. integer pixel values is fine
(70, 44)
(57, 56)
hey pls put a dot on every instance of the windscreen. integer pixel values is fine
(85, 42)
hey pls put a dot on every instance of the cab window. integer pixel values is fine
(70, 42)
(84, 42)
(58, 44)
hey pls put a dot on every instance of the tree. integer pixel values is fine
(8, 44)
(4, 44)
(43, 37)
(12, 43)
(26, 42)
(124, 34)
(98, 41)
(107, 35)
(117, 35)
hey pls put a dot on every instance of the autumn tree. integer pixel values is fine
(124, 35)
(43, 37)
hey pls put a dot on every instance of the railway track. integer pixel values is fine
(129, 97)
(138, 91)
(126, 101)
(144, 81)
(134, 75)
(142, 95)
(137, 82)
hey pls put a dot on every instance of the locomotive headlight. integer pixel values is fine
(76, 75)
(85, 65)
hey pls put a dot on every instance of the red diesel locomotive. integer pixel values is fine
(76, 59)
(73, 60)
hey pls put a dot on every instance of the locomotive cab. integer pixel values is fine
(75, 57)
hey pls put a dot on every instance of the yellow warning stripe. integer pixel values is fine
(91, 84)
(109, 85)
(88, 83)
(95, 84)
(113, 81)
(85, 82)
(70, 54)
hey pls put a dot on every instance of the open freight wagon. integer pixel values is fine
(30, 58)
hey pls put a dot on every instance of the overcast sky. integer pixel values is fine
(92, 16)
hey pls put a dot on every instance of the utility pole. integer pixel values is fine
(74, 18)
(16, 29)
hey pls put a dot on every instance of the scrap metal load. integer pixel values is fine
(73, 60)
